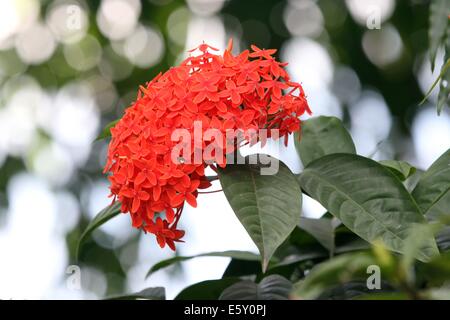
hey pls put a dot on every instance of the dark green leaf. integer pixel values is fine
(102, 217)
(402, 169)
(367, 198)
(268, 206)
(432, 193)
(241, 255)
(239, 268)
(339, 270)
(321, 229)
(273, 287)
(106, 132)
(354, 290)
(156, 293)
(206, 290)
(321, 136)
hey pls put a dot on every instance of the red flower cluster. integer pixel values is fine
(222, 92)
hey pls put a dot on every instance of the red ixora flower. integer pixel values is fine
(251, 90)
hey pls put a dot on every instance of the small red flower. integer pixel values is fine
(248, 91)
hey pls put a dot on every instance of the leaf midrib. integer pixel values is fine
(258, 214)
(358, 205)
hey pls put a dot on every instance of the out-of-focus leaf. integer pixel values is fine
(206, 290)
(414, 244)
(321, 229)
(442, 74)
(367, 198)
(437, 293)
(273, 287)
(240, 255)
(339, 270)
(321, 136)
(106, 132)
(268, 206)
(439, 11)
(444, 86)
(437, 271)
(383, 296)
(102, 217)
(432, 193)
(354, 290)
(443, 239)
(402, 169)
(156, 293)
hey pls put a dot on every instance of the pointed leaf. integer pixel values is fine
(321, 136)
(367, 198)
(102, 217)
(432, 193)
(402, 169)
(268, 206)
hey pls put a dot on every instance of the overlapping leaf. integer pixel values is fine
(367, 198)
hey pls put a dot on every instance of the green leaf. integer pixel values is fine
(240, 268)
(273, 287)
(240, 255)
(328, 274)
(321, 136)
(321, 229)
(402, 169)
(106, 132)
(439, 11)
(444, 72)
(156, 293)
(414, 244)
(102, 217)
(432, 193)
(268, 206)
(444, 86)
(206, 290)
(367, 198)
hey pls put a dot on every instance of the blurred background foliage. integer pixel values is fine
(69, 67)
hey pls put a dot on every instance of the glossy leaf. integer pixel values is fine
(273, 287)
(321, 136)
(102, 217)
(240, 255)
(268, 206)
(432, 193)
(367, 198)
(402, 169)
